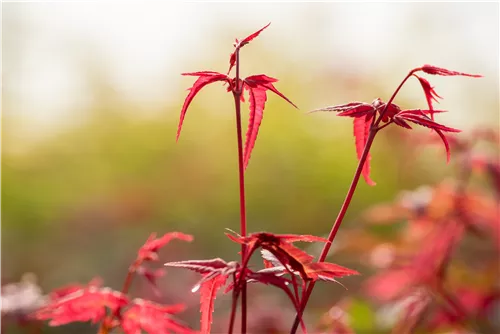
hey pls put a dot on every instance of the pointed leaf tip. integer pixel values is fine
(205, 78)
(240, 43)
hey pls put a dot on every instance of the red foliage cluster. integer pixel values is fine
(420, 276)
(114, 309)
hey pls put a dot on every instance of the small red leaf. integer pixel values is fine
(149, 251)
(327, 271)
(257, 99)
(418, 116)
(205, 78)
(266, 82)
(200, 266)
(361, 133)
(434, 70)
(239, 44)
(208, 293)
(352, 109)
(257, 85)
(430, 94)
(87, 304)
(152, 318)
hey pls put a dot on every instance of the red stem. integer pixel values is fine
(347, 201)
(237, 91)
(336, 225)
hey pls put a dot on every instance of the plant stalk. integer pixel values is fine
(237, 91)
(338, 221)
(347, 201)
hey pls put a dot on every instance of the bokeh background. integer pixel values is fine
(91, 98)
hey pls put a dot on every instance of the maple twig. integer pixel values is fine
(237, 91)
(337, 223)
(347, 201)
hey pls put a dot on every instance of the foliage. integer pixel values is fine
(420, 281)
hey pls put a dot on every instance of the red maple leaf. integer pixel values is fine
(239, 44)
(144, 315)
(257, 85)
(87, 304)
(215, 273)
(291, 258)
(430, 93)
(361, 132)
(434, 70)
(363, 114)
(419, 117)
(149, 251)
(205, 78)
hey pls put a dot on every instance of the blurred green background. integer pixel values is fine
(91, 101)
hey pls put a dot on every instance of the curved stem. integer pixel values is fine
(347, 201)
(338, 221)
(394, 95)
(243, 224)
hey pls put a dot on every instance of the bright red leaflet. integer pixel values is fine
(434, 70)
(324, 271)
(361, 132)
(215, 273)
(152, 318)
(418, 116)
(87, 304)
(352, 109)
(208, 293)
(200, 266)
(149, 251)
(239, 44)
(205, 78)
(257, 85)
(430, 93)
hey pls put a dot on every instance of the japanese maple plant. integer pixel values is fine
(285, 266)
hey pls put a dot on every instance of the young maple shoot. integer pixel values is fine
(257, 87)
(369, 119)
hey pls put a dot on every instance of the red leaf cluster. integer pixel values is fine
(366, 121)
(88, 303)
(289, 258)
(93, 303)
(256, 85)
